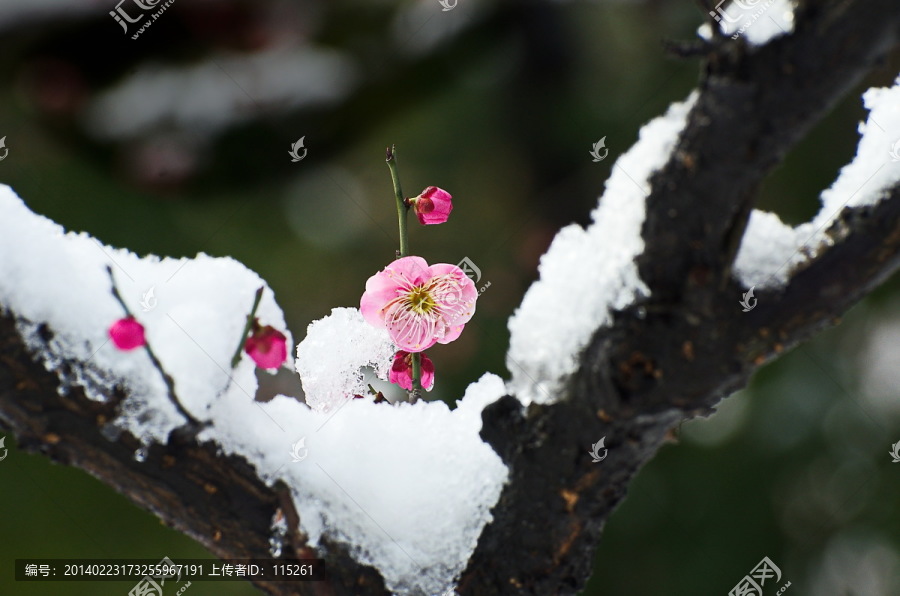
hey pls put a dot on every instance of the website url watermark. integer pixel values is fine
(140, 8)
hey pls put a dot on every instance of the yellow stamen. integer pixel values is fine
(420, 301)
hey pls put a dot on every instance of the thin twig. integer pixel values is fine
(170, 384)
(237, 353)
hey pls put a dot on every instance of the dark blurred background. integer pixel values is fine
(177, 142)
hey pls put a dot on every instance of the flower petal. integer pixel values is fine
(455, 293)
(451, 334)
(411, 269)
(408, 330)
(401, 371)
(380, 290)
(427, 379)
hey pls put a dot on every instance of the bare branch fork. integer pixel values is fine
(671, 356)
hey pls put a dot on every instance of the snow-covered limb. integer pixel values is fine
(406, 489)
(667, 341)
(587, 275)
(771, 251)
(684, 343)
(193, 311)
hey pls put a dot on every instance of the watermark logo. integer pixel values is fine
(595, 152)
(746, 300)
(595, 451)
(5, 450)
(746, 8)
(139, 7)
(447, 5)
(148, 300)
(752, 583)
(720, 13)
(299, 450)
(895, 150)
(470, 269)
(148, 586)
(4, 148)
(453, 299)
(295, 148)
(895, 451)
(122, 17)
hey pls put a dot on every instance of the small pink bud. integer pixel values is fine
(432, 206)
(401, 371)
(127, 334)
(266, 346)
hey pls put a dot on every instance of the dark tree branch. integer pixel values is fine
(754, 105)
(639, 379)
(217, 500)
(677, 353)
(671, 356)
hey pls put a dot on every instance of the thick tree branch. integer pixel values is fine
(754, 105)
(679, 352)
(669, 357)
(216, 500)
(639, 379)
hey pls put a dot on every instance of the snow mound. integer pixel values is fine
(331, 358)
(588, 273)
(407, 488)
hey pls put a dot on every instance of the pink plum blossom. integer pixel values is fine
(266, 346)
(432, 206)
(127, 334)
(419, 305)
(401, 371)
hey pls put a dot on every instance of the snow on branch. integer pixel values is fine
(682, 343)
(406, 489)
(192, 310)
(771, 251)
(635, 319)
(589, 273)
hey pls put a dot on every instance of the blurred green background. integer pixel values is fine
(499, 103)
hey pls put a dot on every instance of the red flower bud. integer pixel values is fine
(266, 346)
(432, 206)
(401, 371)
(127, 334)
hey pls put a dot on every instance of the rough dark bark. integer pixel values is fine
(642, 377)
(677, 353)
(217, 500)
(670, 357)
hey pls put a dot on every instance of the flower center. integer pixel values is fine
(420, 301)
(424, 205)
